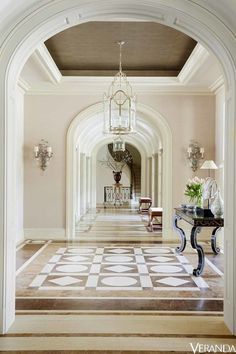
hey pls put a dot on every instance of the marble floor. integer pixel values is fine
(116, 275)
(118, 288)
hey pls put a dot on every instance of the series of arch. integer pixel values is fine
(85, 136)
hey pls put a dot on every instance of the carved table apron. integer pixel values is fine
(197, 220)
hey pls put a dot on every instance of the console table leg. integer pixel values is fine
(215, 249)
(201, 257)
(181, 234)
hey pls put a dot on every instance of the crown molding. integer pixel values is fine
(217, 84)
(23, 85)
(193, 64)
(46, 62)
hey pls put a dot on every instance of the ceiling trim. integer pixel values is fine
(23, 85)
(217, 84)
(74, 85)
(193, 64)
(46, 62)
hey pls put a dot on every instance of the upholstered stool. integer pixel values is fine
(155, 213)
(144, 200)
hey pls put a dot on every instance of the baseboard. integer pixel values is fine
(45, 234)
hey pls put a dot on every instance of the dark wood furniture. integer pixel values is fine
(144, 200)
(155, 213)
(198, 219)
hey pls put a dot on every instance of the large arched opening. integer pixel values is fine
(41, 22)
(153, 137)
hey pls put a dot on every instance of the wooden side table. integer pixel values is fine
(155, 213)
(144, 200)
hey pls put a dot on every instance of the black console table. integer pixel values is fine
(198, 219)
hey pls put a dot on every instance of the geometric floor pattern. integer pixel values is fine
(127, 268)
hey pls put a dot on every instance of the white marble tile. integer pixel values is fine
(213, 267)
(54, 259)
(119, 268)
(99, 250)
(119, 281)
(77, 259)
(188, 268)
(142, 268)
(161, 259)
(180, 288)
(156, 250)
(182, 259)
(80, 250)
(140, 259)
(61, 250)
(92, 281)
(64, 281)
(166, 269)
(138, 251)
(97, 259)
(172, 281)
(145, 281)
(48, 268)
(200, 282)
(72, 268)
(118, 259)
(95, 268)
(118, 251)
(38, 281)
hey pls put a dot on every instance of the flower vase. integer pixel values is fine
(217, 206)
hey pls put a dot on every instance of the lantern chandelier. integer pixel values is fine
(119, 104)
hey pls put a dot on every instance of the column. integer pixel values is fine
(77, 187)
(160, 177)
(154, 179)
(82, 183)
(149, 177)
(88, 182)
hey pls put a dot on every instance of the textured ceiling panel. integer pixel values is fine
(150, 49)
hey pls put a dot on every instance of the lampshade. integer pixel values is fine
(209, 165)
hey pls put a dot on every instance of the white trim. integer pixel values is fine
(44, 234)
(32, 23)
(217, 85)
(44, 59)
(194, 62)
(23, 85)
(24, 265)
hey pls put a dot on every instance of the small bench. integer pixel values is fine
(155, 213)
(144, 200)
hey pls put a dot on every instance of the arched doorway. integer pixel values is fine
(42, 21)
(81, 139)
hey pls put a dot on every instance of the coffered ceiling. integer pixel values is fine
(91, 49)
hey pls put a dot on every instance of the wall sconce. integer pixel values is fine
(195, 154)
(43, 153)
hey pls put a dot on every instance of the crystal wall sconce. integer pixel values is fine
(43, 154)
(195, 154)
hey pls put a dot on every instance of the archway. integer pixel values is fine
(41, 21)
(81, 138)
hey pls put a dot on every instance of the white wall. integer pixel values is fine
(48, 116)
(219, 148)
(19, 148)
(219, 137)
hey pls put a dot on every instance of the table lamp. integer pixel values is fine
(209, 165)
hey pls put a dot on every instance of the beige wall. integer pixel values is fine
(48, 117)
